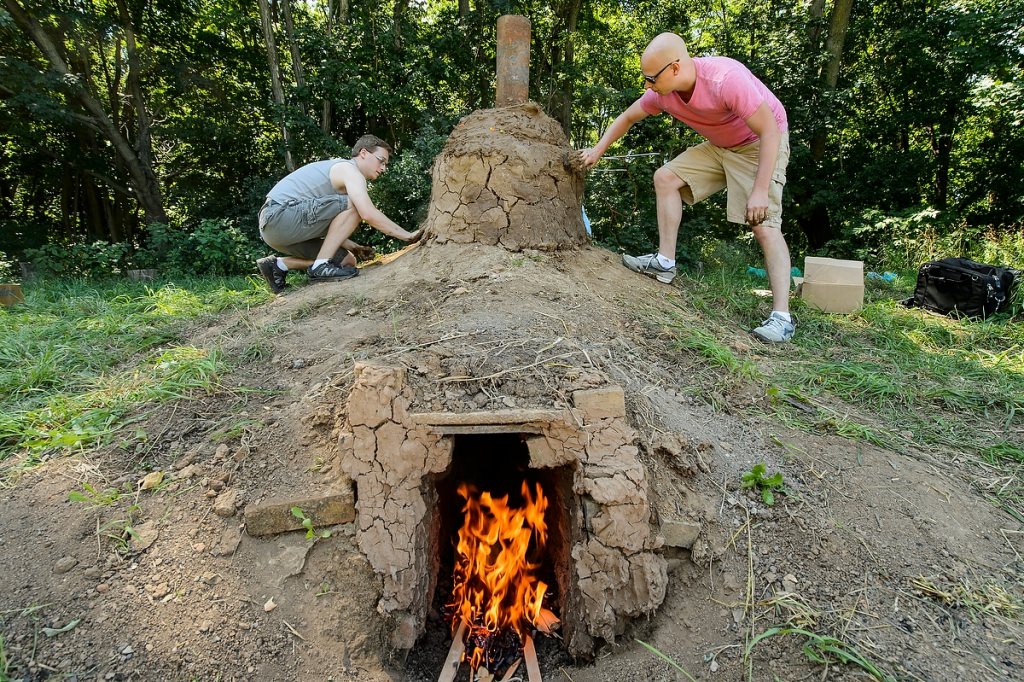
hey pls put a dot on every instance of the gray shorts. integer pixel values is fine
(298, 228)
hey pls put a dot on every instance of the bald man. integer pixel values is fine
(746, 152)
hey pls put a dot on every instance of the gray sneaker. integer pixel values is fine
(649, 265)
(329, 272)
(274, 275)
(775, 330)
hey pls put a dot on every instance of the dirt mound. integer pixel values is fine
(896, 555)
(506, 177)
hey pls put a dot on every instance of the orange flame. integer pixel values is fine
(495, 586)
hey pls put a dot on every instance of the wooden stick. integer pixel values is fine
(530, 656)
(454, 660)
(511, 670)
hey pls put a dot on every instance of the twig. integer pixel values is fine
(293, 630)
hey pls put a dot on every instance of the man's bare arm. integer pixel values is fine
(763, 123)
(618, 128)
(346, 178)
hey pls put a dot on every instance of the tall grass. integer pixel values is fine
(77, 357)
(887, 374)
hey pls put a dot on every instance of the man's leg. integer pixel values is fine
(667, 186)
(662, 265)
(339, 230)
(777, 263)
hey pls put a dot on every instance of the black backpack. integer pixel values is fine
(959, 287)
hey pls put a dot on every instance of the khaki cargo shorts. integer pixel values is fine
(297, 228)
(708, 168)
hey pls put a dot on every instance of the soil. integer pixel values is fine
(897, 554)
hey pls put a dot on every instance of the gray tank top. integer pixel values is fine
(309, 182)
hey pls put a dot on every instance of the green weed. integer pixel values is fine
(307, 523)
(824, 650)
(765, 485)
(665, 658)
(93, 497)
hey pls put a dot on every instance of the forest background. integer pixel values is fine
(146, 133)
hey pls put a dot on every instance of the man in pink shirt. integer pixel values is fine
(747, 151)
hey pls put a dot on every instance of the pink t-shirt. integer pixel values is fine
(724, 96)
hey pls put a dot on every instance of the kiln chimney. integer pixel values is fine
(513, 60)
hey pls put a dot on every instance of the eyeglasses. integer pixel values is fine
(383, 161)
(652, 79)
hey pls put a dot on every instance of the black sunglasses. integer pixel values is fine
(652, 79)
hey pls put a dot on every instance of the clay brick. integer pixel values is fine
(600, 403)
(680, 533)
(276, 517)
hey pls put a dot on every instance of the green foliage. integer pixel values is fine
(307, 523)
(7, 268)
(77, 359)
(93, 497)
(96, 259)
(757, 479)
(824, 650)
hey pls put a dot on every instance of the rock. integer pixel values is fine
(229, 540)
(226, 503)
(103, 588)
(680, 533)
(158, 591)
(270, 605)
(94, 572)
(151, 480)
(65, 564)
(143, 536)
(189, 471)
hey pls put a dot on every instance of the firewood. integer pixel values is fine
(454, 660)
(530, 656)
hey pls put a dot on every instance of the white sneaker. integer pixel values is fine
(776, 329)
(648, 265)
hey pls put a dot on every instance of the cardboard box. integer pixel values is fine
(833, 271)
(832, 285)
(833, 298)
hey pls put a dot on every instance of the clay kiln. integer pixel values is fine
(505, 178)
(607, 567)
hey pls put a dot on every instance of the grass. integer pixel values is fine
(887, 375)
(78, 358)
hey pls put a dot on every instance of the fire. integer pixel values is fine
(495, 586)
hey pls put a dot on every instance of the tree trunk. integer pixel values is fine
(398, 16)
(463, 8)
(140, 171)
(293, 47)
(328, 109)
(839, 22)
(275, 79)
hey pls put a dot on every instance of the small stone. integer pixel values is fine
(127, 651)
(352, 311)
(94, 572)
(226, 503)
(298, 363)
(270, 605)
(151, 480)
(103, 588)
(65, 564)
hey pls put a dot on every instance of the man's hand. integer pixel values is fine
(415, 236)
(757, 207)
(363, 252)
(588, 157)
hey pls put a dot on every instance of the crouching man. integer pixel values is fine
(311, 214)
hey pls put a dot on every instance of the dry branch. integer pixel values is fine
(451, 664)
